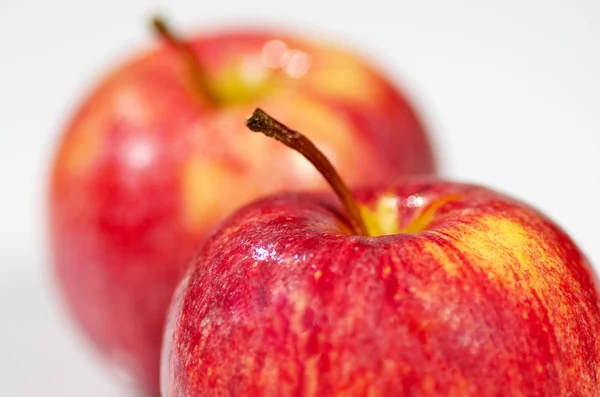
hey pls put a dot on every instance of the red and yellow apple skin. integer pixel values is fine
(148, 165)
(461, 292)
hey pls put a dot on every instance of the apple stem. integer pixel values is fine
(197, 73)
(260, 121)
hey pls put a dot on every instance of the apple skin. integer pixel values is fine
(147, 165)
(480, 296)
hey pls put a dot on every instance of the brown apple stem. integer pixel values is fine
(198, 75)
(260, 121)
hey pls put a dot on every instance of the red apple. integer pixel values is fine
(436, 289)
(158, 153)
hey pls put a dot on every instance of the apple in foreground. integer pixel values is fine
(416, 288)
(156, 155)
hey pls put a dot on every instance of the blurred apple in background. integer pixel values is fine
(158, 153)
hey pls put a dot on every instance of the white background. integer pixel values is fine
(510, 90)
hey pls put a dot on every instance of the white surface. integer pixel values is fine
(510, 89)
(41, 355)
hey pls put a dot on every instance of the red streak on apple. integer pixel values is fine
(147, 165)
(487, 298)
